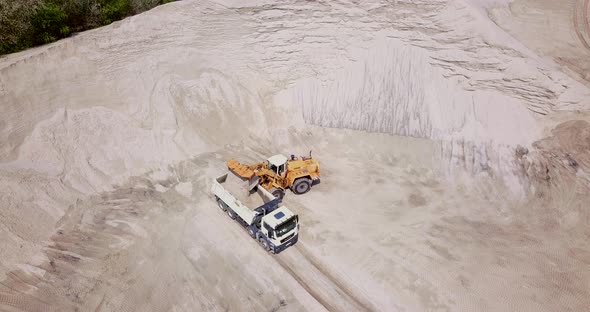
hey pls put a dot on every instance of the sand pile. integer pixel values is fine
(109, 140)
(239, 189)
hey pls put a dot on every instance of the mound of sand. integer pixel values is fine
(110, 139)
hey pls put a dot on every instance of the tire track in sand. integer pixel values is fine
(322, 285)
(581, 23)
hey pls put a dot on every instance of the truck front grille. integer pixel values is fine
(287, 238)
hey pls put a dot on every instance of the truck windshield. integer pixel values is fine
(286, 227)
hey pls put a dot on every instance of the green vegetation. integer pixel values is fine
(49, 24)
(28, 23)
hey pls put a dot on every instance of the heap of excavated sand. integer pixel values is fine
(239, 189)
(91, 113)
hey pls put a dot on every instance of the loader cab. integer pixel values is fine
(278, 164)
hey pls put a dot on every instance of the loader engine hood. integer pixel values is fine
(309, 165)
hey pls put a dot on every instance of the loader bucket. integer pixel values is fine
(241, 170)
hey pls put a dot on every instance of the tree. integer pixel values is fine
(49, 24)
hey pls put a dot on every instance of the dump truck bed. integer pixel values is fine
(239, 189)
(233, 191)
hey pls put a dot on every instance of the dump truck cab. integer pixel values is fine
(280, 226)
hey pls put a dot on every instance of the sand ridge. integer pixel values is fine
(451, 179)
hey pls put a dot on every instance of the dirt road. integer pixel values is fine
(323, 286)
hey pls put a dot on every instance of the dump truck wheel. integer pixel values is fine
(277, 192)
(231, 213)
(264, 244)
(221, 205)
(301, 186)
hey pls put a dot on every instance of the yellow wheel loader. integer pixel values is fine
(279, 173)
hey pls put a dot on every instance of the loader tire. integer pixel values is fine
(301, 186)
(221, 205)
(231, 213)
(277, 192)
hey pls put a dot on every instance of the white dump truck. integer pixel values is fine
(273, 225)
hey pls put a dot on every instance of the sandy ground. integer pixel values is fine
(397, 237)
(454, 149)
